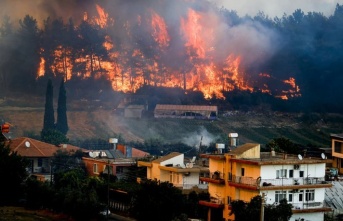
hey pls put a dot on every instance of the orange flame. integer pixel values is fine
(160, 33)
(130, 68)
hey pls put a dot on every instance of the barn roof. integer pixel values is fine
(186, 107)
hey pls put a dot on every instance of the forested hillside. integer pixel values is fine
(110, 50)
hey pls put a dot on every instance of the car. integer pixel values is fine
(105, 211)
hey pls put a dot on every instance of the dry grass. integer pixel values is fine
(22, 214)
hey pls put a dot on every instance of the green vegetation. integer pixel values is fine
(251, 211)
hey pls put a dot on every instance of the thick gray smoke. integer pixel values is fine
(200, 137)
(253, 42)
(276, 8)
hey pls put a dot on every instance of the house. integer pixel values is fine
(337, 151)
(245, 172)
(134, 111)
(38, 153)
(186, 111)
(115, 161)
(172, 168)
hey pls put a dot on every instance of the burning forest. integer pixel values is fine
(191, 45)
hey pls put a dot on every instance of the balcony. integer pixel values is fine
(215, 177)
(292, 183)
(215, 202)
(309, 207)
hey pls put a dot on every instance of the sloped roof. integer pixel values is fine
(166, 157)
(139, 153)
(243, 148)
(28, 147)
(186, 107)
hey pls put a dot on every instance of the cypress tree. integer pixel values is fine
(62, 122)
(49, 118)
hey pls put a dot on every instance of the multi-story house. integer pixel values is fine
(337, 151)
(173, 168)
(245, 172)
(115, 161)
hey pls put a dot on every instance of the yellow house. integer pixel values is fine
(246, 172)
(172, 168)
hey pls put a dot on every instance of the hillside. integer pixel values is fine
(98, 120)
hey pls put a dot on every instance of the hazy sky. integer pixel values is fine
(278, 7)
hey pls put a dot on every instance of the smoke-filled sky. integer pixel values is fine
(276, 8)
(40, 9)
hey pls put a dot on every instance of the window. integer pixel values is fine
(281, 173)
(301, 193)
(290, 197)
(242, 172)
(95, 168)
(40, 162)
(279, 195)
(301, 174)
(338, 147)
(290, 173)
(309, 195)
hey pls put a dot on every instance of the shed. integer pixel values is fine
(186, 111)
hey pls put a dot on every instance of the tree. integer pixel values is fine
(13, 171)
(62, 121)
(251, 211)
(157, 201)
(49, 118)
(53, 136)
(283, 144)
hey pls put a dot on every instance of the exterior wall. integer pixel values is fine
(310, 171)
(191, 180)
(252, 153)
(337, 156)
(175, 160)
(155, 171)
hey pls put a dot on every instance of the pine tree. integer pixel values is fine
(62, 122)
(49, 118)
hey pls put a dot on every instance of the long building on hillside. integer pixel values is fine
(186, 111)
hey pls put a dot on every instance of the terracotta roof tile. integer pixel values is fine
(29, 147)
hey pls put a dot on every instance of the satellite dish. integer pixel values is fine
(92, 154)
(187, 165)
(27, 144)
(323, 156)
(300, 157)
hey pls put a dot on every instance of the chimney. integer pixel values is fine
(113, 142)
(233, 137)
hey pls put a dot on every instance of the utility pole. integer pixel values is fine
(108, 188)
(262, 206)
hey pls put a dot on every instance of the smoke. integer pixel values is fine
(277, 8)
(200, 137)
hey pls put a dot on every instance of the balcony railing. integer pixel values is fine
(293, 181)
(214, 202)
(276, 182)
(307, 205)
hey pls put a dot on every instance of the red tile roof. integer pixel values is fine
(28, 147)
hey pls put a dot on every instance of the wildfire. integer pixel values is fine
(160, 33)
(133, 64)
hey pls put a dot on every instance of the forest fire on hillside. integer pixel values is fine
(189, 55)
